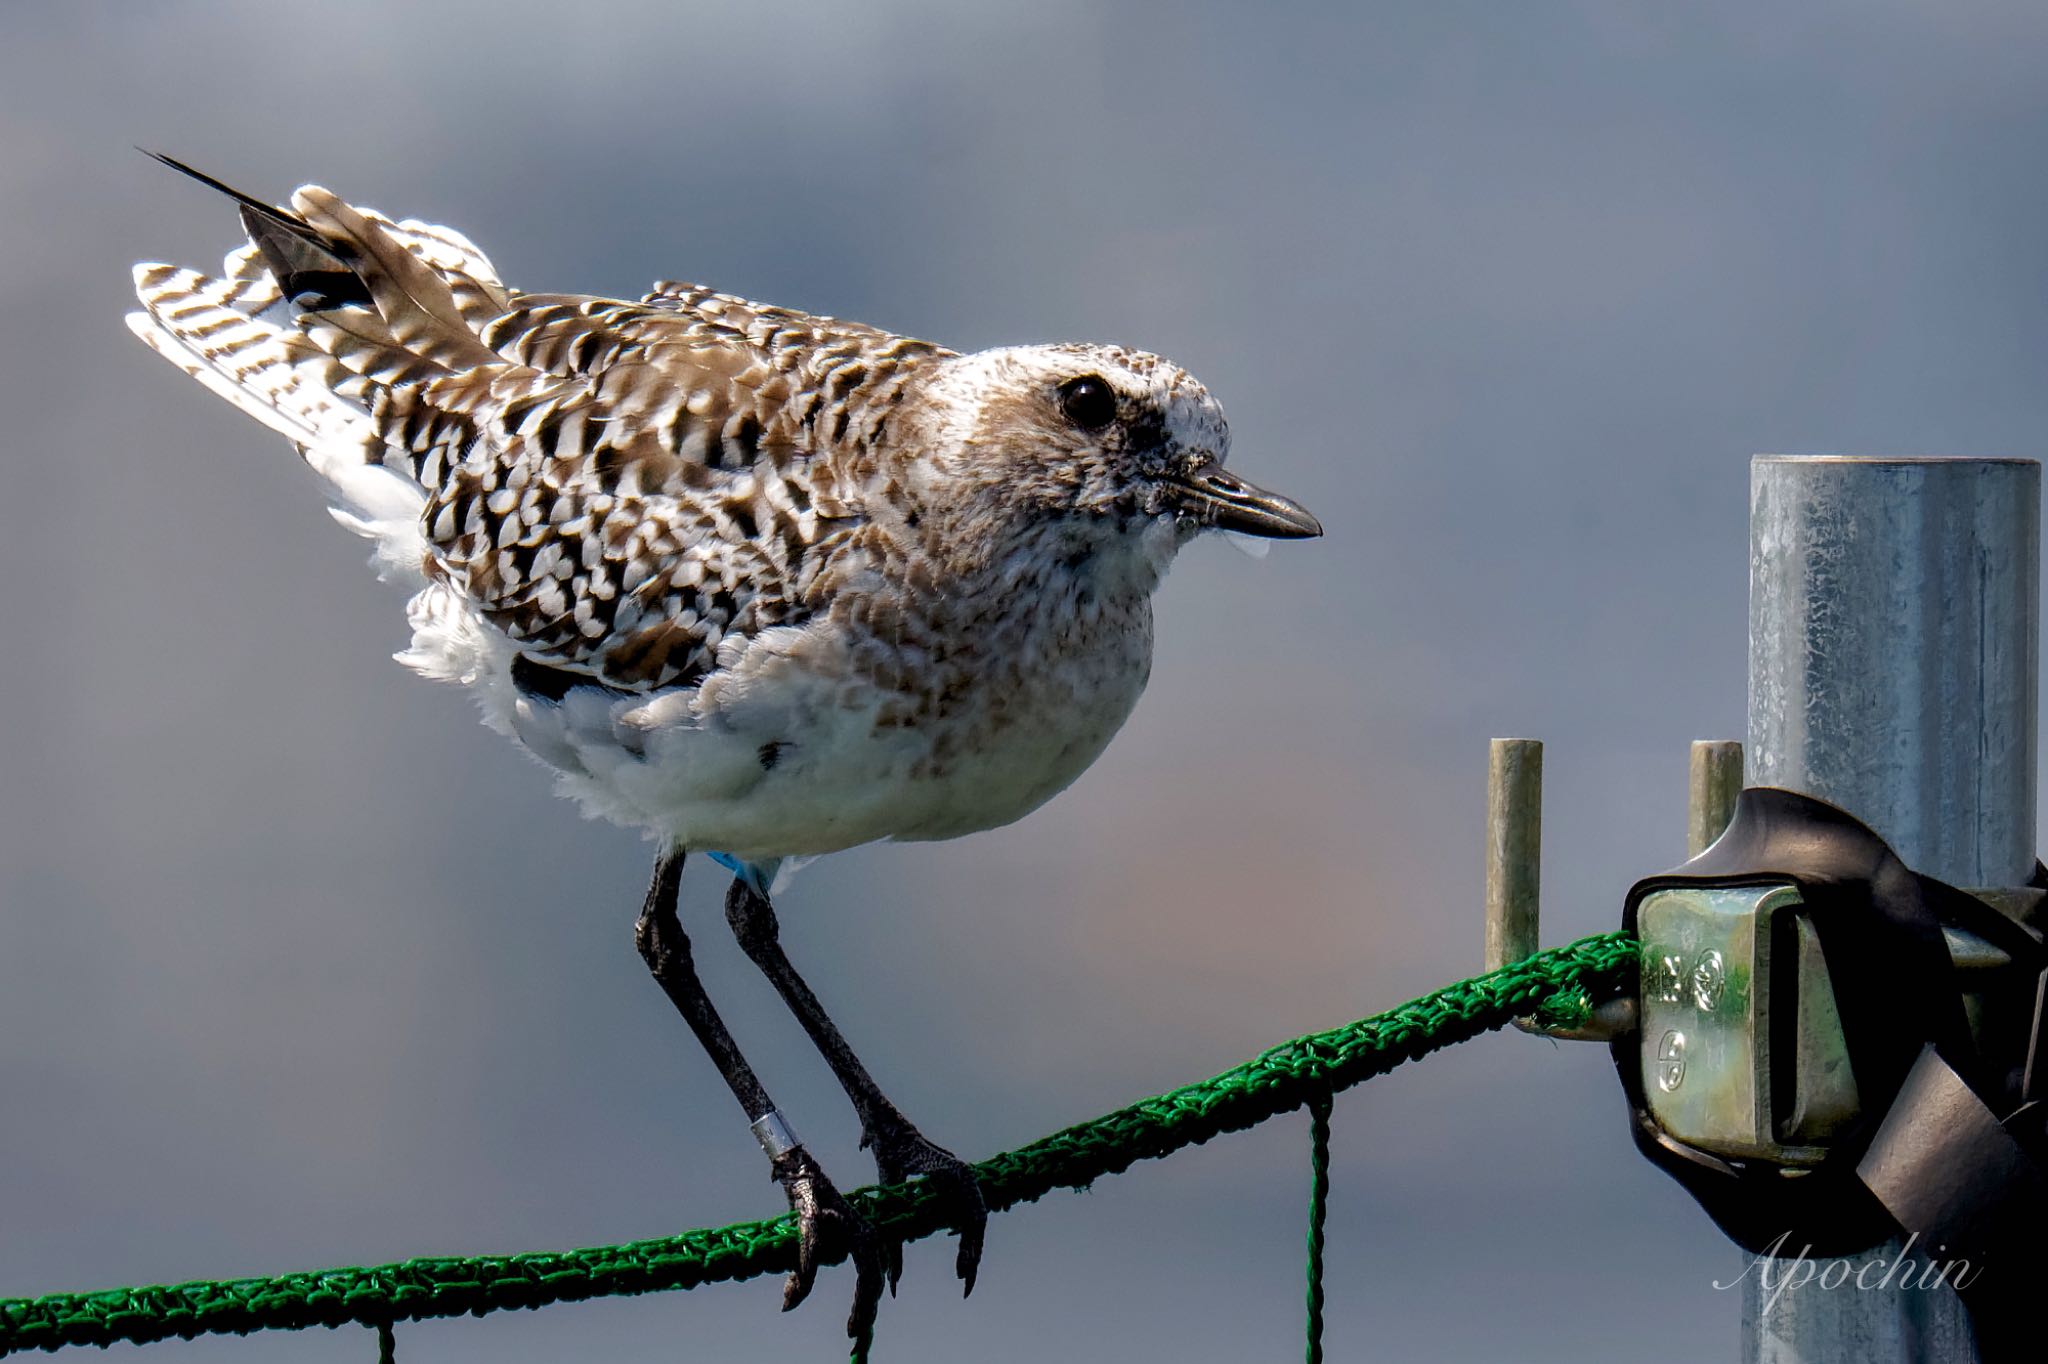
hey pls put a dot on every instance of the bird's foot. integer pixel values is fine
(826, 1221)
(901, 1152)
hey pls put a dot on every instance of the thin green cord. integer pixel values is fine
(387, 1344)
(1318, 1209)
(1563, 984)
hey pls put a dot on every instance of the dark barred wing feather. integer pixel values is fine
(619, 487)
(631, 484)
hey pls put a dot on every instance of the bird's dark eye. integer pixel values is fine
(1088, 402)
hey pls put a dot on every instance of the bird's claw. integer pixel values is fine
(825, 1221)
(903, 1153)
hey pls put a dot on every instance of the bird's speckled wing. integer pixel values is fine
(625, 485)
(616, 486)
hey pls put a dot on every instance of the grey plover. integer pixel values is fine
(762, 584)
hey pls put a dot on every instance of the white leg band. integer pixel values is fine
(773, 1133)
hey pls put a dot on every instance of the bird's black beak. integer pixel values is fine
(1213, 496)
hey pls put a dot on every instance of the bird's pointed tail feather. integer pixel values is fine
(371, 307)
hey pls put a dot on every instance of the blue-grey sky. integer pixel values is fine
(299, 966)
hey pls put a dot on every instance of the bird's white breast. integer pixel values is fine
(836, 733)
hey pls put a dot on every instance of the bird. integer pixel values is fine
(761, 584)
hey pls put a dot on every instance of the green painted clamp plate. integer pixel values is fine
(1743, 1051)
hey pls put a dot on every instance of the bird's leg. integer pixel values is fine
(900, 1149)
(823, 1216)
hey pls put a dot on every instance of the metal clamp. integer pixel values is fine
(1743, 1052)
(1514, 862)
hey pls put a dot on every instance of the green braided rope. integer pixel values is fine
(1318, 1210)
(1560, 985)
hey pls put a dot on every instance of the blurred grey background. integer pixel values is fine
(301, 967)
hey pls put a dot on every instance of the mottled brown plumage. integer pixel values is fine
(761, 583)
(616, 486)
(946, 577)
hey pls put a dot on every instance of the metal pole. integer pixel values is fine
(1893, 648)
(1514, 849)
(1715, 782)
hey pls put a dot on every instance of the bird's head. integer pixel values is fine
(1115, 443)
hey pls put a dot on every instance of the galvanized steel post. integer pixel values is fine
(1893, 651)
